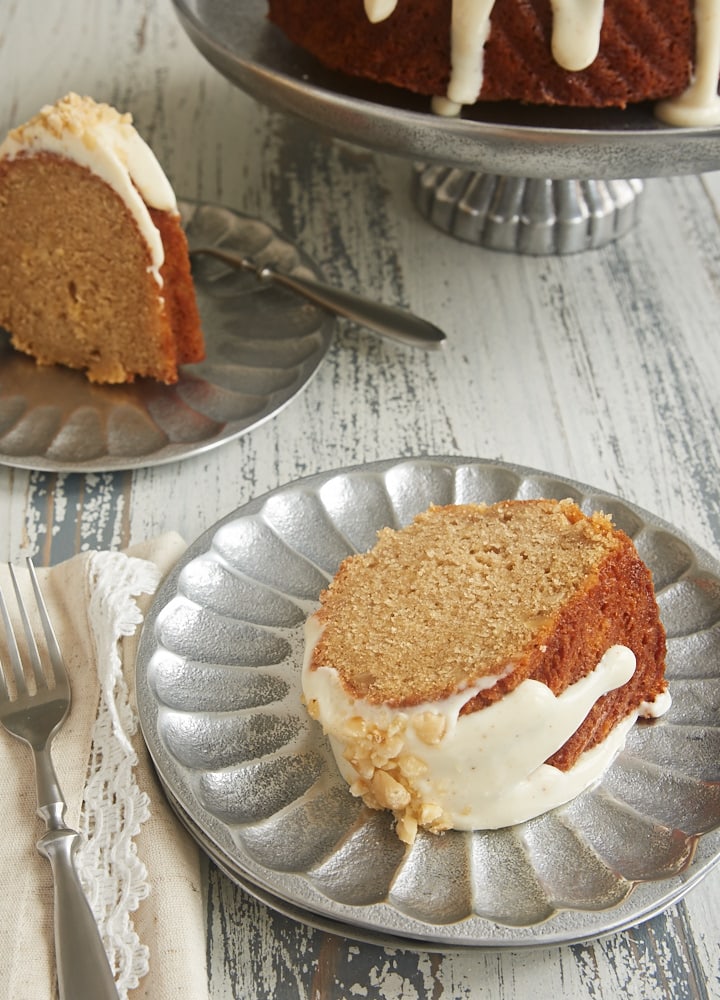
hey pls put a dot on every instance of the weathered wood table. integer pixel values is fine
(603, 366)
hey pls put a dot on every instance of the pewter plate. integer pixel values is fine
(651, 904)
(263, 344)
(236, 37)
(218, 681)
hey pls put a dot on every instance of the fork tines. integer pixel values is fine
(41, 677)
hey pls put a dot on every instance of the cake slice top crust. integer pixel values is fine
(465, 593)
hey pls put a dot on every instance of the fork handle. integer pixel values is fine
(387, 320)
(82, 966)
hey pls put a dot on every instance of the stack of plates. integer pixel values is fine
(254, 781)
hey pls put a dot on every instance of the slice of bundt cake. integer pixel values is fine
(484, 664)
(94, 267)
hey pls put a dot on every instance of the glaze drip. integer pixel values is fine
(575, 46)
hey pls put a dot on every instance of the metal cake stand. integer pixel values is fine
(500, 176)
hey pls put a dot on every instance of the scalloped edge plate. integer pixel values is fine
(284, 545)
(263, 346)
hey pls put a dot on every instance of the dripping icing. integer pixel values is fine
(699, 105)
(576, 32)
(575, 45)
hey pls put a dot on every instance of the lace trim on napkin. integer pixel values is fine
(114, 808)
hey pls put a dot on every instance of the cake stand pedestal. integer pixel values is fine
(503, 177)
(526, 215)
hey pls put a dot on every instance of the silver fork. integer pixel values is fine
(34, 713)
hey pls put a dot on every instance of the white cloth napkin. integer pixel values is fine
(141, 869)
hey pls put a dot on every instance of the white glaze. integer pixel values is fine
(487, 771)
(575, 46)
(700, 104)
(576, 32)
(654, 709)
(378, 10)
(470, 29)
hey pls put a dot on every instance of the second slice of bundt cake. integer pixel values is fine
(94, 266)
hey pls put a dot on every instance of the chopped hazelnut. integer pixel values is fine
(410, 766)
(429, 813)
(430, 727)
(406, 829)
(389, 792)
(355, 727)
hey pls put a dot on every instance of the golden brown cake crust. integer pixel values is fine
(521, 589)
(646, 50)
(75, 282)
(178, 290)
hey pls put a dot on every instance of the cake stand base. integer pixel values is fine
(529, 216)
